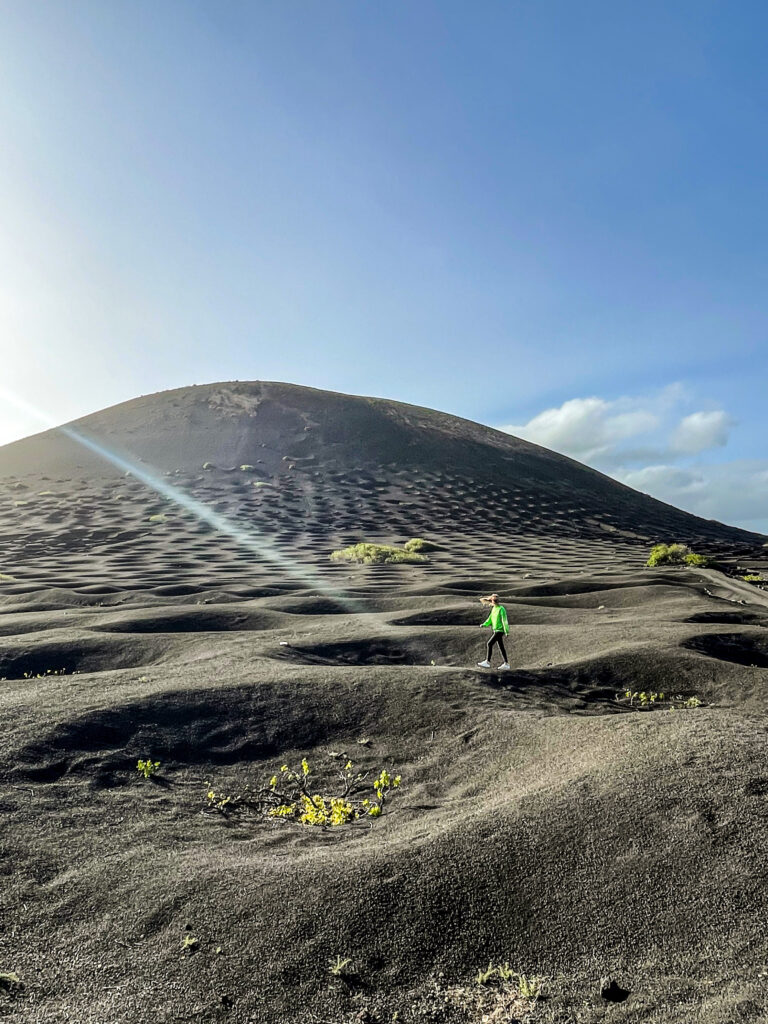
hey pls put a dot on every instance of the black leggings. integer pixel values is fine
(497, 638)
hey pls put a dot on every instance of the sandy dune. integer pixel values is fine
(540, 821)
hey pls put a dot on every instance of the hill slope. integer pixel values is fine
(303, 472)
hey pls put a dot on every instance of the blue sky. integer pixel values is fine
(545, 216)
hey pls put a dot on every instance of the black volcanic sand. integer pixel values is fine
(540, 822)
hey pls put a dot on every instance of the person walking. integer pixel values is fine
(499, 623)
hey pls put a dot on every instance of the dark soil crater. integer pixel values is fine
(195, 621)
(355, 652)
(317, 606)
(42, 659)
(739, 648)
(729, 618)
(217, 727)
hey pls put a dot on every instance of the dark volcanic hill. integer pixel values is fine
(166, 594)
(309, 471)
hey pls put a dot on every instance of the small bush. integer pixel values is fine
(48, 672)
(5, 578)
(645, 699)
(376, 554)
(341, 967)
(158, 518)
(246, 468)
(751, 577)
(417, 544)
(293, 795)
(678, 554)
(702, 561)
(499, 994)
(668, 554)
(147, 767)
(10, 981)
(226, 802)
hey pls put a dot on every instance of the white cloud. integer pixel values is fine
(659, 479)
(702, 431)
(655, 444)
(596, 430)
(732, 492)
(587, 427)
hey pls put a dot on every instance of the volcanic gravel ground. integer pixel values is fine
(541, 821)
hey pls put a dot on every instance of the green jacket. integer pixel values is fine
(497, 620)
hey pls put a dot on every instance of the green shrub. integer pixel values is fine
(645, 699)
(702, 561)
(158, 518)
(499, 994)
(147, 767)
(341, 967)
(751, 577)
(678, 554)
(376, 554)
(293, 795)
(417, 544)
(225, 803)
(48, 672)
(246, 468)
(668, 554)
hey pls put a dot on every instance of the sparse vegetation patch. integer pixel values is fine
(10, 981)
(337, 797)
(668, 554)
(376, 554)
(417, 544)
(499, 995)
(147, 767)
(48, 672)
(648, 700)
(678, 554)
(341, 967)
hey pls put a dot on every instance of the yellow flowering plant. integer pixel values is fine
(336, 796)
(648, 700)
(147, 767)
(293, 796)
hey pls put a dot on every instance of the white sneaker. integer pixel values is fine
(504, 667)
(483, 664)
